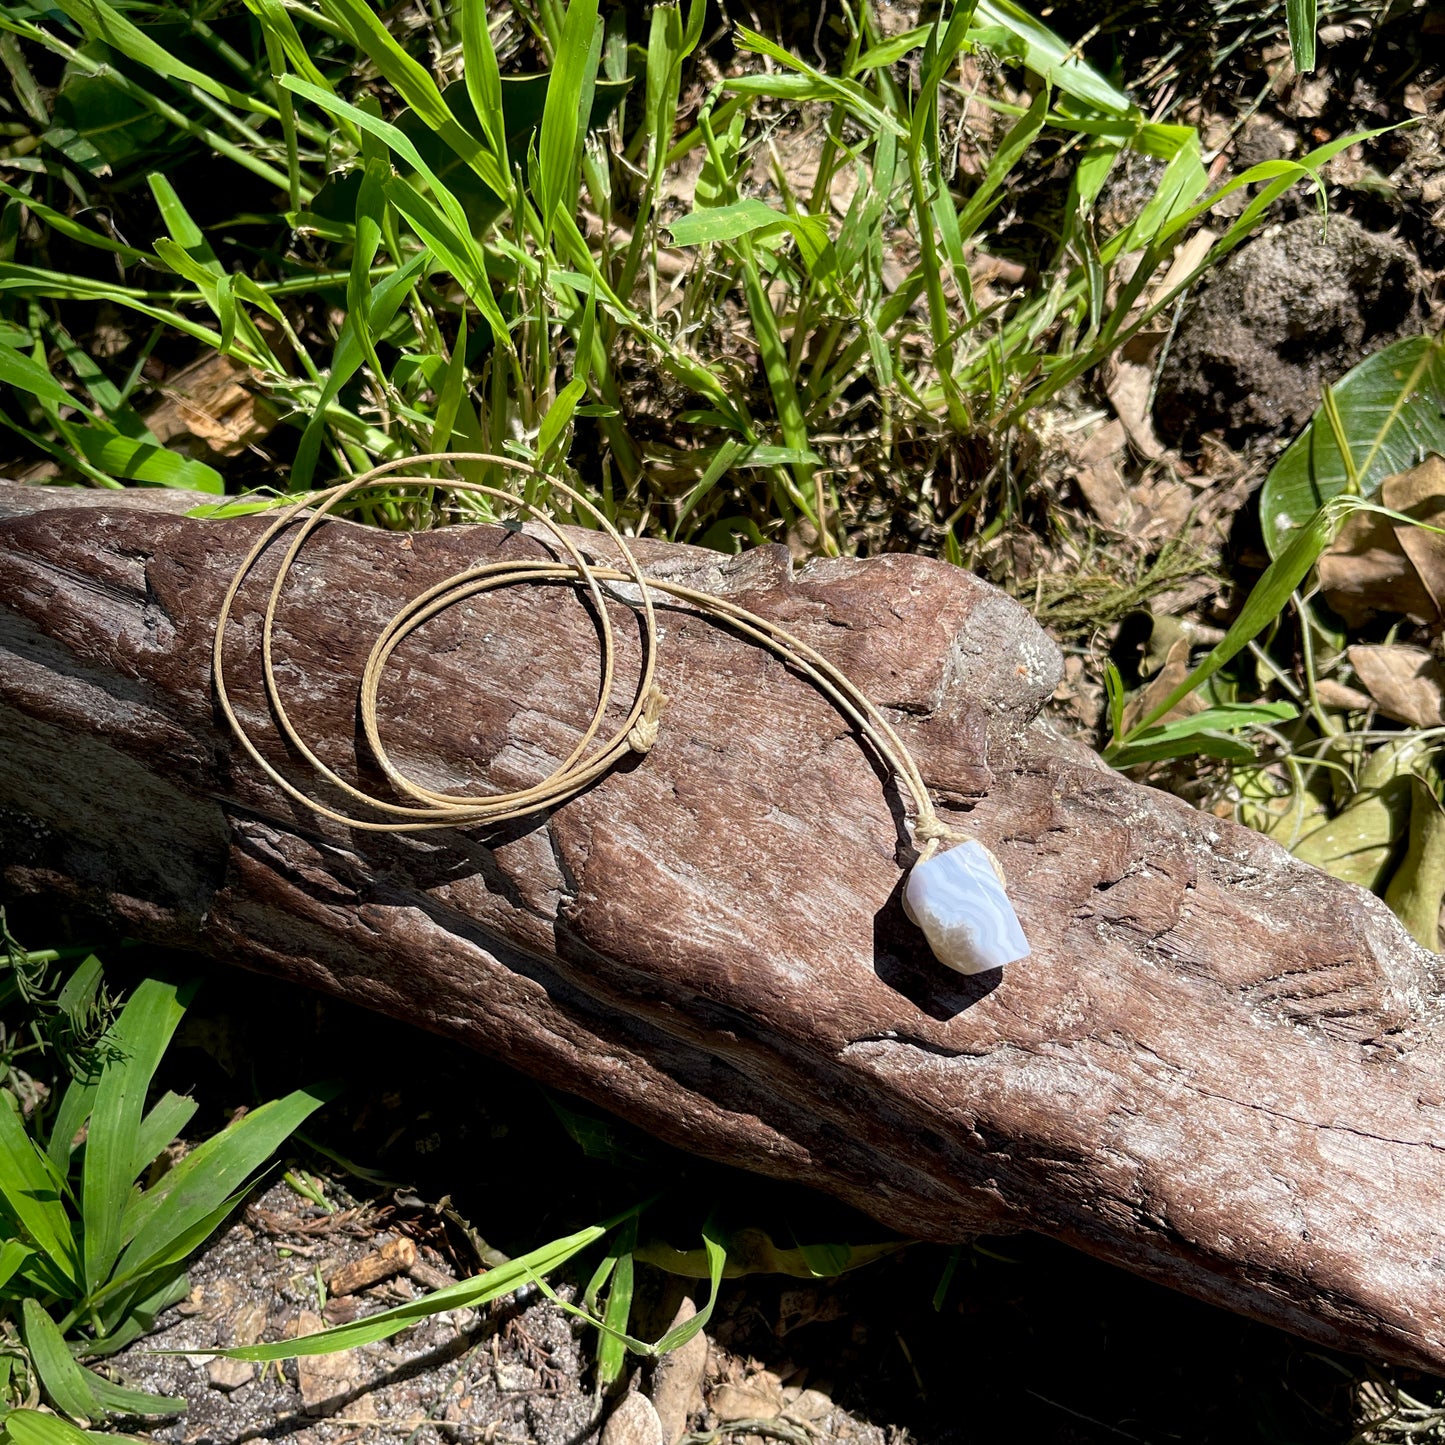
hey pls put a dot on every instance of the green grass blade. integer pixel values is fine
(386, 302)
(717, 1259)
(414, 85)
(210, 1174)
(564, 116)
(1301, 17)
(1010, 152)
(101, 21)
(31, 1192)
(143, 460)
(483, 78)
(138, 1039)
(1269, 598)
(1053, 58)
(63, 1380)
(168, 1116)
(118, 1400)
(64, 225)
(18, 369)
(611, 1346)
(468, 1294)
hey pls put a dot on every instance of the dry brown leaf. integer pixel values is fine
(1379, 566)
(1335, 694)
(1365, 572)
(1420, 493)
(1128, 384)
(1407, 683)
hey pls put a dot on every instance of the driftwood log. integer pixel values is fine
(1220, 1069)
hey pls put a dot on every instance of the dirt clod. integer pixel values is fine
(1291, 312)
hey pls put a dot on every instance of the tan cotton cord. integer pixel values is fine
(638, 731)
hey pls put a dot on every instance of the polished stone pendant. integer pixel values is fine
(957, 898)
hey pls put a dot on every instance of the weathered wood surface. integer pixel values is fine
(1220, 1069)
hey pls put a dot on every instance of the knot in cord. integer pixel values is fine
(929, 831)
(643, 733)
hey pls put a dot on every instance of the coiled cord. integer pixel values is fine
(429, 808)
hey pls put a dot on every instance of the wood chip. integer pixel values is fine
(398, 1257)
(211, 400)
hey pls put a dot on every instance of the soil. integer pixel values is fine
(1292, 311)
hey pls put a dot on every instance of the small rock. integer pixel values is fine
(230, 1375)
(806, 1406)
(324, 1380)
(633, 1422)
(760, 1397)
(676, 1392)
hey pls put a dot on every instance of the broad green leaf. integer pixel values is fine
(75, 1106)
(467, 1294)
(31, 1191)
(1392, 411)
(119, 1400)
(63, 1380)
(1361, 842)
(13, 1254)
(168, 1116)
(137, 1040)
(1418, 885)
(888, 51)
(742, 218)
(1204, 732)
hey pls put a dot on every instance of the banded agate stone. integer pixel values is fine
(958, 900)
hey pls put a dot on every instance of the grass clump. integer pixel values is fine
(614, 268)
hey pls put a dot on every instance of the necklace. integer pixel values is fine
(956, 896)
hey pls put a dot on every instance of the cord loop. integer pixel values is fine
(429, 808)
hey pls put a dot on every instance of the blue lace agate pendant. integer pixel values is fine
(957, 898)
